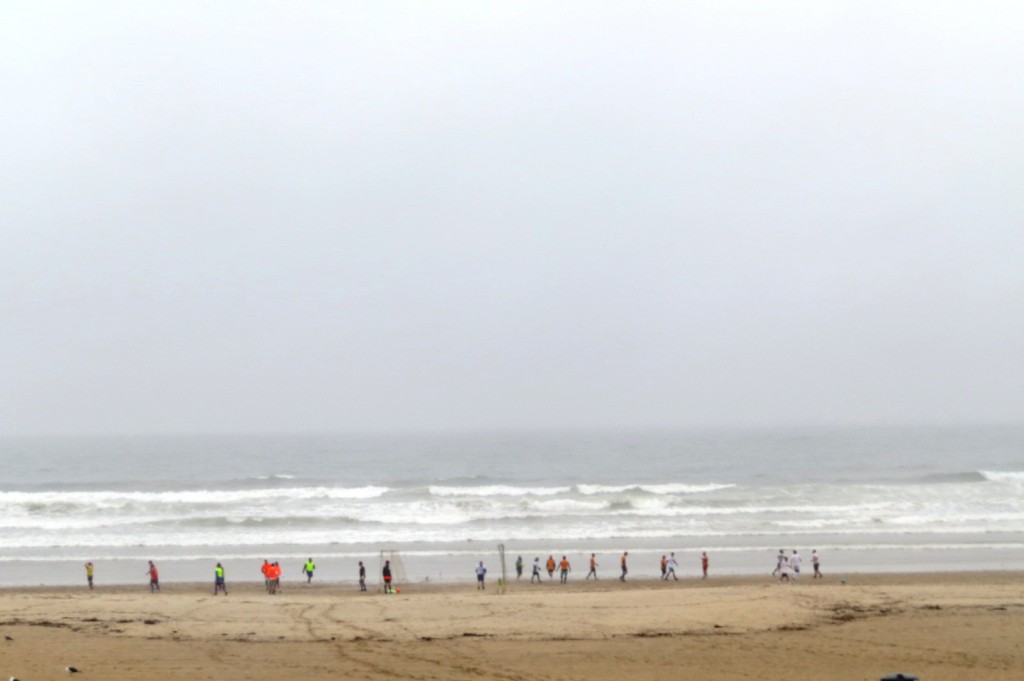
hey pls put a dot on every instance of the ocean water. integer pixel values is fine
(867, 499)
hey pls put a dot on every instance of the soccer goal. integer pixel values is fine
(392, 557)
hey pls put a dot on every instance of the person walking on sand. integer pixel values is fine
(275, 577)
(564, 569)
(362, 576)
(704, 564)
(308, 570)
(154, 578)
(265, 569)
(88, 574)
(519, 568)
(794, 562)
(481, 571)
(551, 567)
(536, 570)
(218, 580)
(672, 565)
(784, 569)
(386, 574)
(593, 567)
(664, 567)
(780, 559)
(816, 562)
(622, 563)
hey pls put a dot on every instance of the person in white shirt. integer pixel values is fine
(784, 568)
(480, 572)
(816, 562)
(794, 562)
(672, 565)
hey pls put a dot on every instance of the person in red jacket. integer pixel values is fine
(154, 578)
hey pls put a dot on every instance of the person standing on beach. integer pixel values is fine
(551, 567)
(794, 562)
(564, 568)
(622, 562)
(784, 568)
(265, 569)
(778, 563)
(536, 570)
(704, 564)
(672, 565)
(275, 577)
(218, 580)
(593, 567)
(386, 574)
(154, 578)
(481, 571)
(88, 574)
(664, 567)
(308, 570)
(519, 568)
(362, 576)
(816, 562)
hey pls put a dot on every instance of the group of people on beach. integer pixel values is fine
(787, 567)
(668, 567)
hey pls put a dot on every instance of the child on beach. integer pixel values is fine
(593, 567)
(362, 576)
(88, 574)
(481, 571)
(308, 570)
(154, 578)
(704, 564)
(816, 562)
(551, 567)
(672, 565)
(536, 570)
(564, 567)
(622, 562)
(218, 580)
(519, 568)
(664, 567)
(794, 563)
(386, 574)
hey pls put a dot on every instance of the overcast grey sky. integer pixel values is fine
(249, 216)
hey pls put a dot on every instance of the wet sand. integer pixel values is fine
(941, 627)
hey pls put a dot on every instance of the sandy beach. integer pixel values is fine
(941, 627)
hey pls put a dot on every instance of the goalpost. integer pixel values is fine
(397, 568)
(503, 580)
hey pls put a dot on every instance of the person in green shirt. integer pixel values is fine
(308, 569)
(218, 580)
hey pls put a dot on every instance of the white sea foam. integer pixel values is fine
(113, 498)
(495, 491)
(668, 488)
(1004, 476)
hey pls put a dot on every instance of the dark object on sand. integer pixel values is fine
(900, 677)
(72, 670)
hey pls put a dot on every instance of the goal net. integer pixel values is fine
(394, 559)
